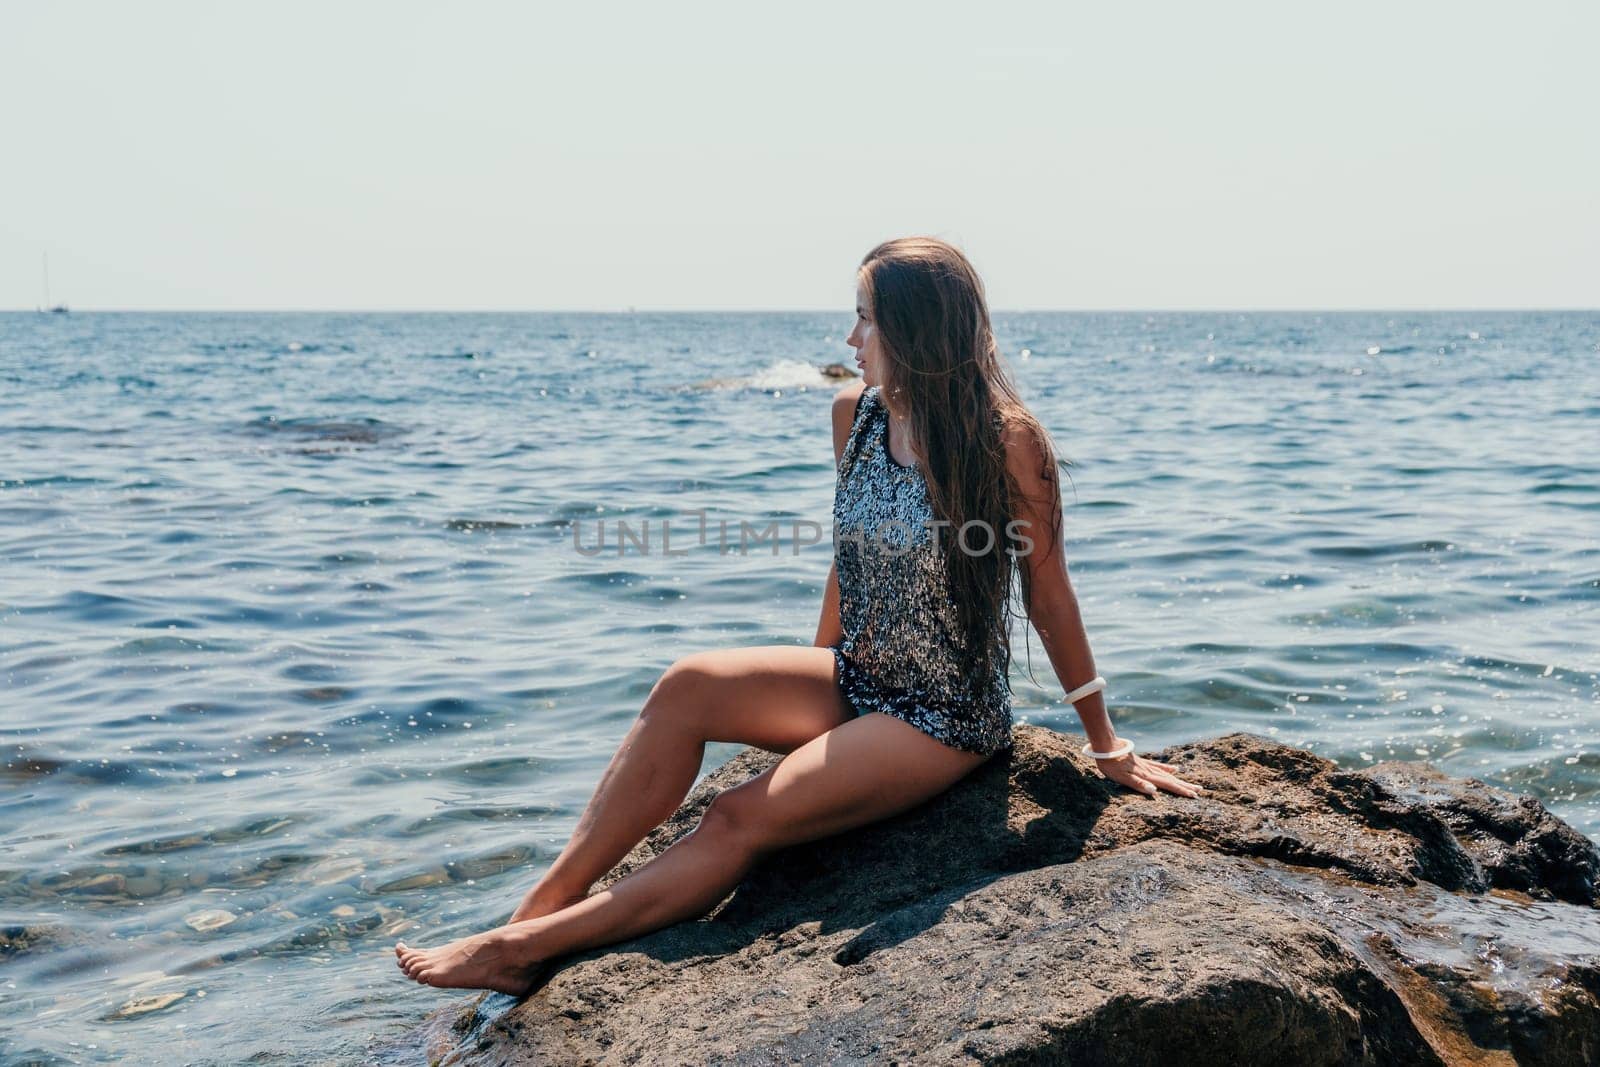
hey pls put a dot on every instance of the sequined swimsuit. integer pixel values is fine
(899, 654)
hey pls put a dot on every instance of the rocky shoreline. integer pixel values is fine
(1297, 913)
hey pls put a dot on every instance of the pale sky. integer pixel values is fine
(1113, 155)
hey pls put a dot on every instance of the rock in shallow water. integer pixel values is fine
(146, 1005)
(1037, 913)
(212, 919)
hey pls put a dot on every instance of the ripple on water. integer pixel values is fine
(470, 869)
(447, 707)
(245, 564)
(1588, 589)
(314, 672)
(25, 764)
(483, 525)
(473, 566)
(1564, 487)
(368, 587)
(1379, 550)
(51, 480)
(347, 558)
(254, 829)
(1364, 612)
(493, 813)
(169, 623)
(207, 707)
(150, 646)
(22, 516)
(330, 933)
(324, 694)
(500, 770)
(84, 605)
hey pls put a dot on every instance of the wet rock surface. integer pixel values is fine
(1296, 913)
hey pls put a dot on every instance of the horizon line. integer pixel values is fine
(1125, 310)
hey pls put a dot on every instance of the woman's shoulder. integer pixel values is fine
(848, 404)
(852, 392)
(1029, 452)
(850, 401)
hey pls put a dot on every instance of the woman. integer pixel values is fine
(946, 490)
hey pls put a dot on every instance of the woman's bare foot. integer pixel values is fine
(540, 901)
(500, 960)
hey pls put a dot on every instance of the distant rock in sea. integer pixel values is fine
(784, 374)
(313, 435)
(1298, 913)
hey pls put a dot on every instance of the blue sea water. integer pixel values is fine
(298, 653)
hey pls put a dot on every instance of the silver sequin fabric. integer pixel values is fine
(900, 650)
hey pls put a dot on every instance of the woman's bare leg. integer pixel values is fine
(775, 697)
(859, 772)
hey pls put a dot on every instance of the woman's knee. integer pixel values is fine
(733, 816)
(682, 687)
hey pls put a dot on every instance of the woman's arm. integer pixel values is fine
(1053, 610)
(830, 630)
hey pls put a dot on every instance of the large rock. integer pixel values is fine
(1295, 914)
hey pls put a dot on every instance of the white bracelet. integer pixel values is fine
(1121, 750)
(1094, 685)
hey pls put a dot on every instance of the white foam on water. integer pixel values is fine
(784, 374)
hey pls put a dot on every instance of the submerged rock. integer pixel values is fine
(1296, 913)
(146, 1005)
(210, 919)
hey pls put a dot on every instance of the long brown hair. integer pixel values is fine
(945, 371)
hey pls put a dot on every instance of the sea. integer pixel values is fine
(317, 630)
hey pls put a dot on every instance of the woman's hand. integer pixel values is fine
(1146, 775)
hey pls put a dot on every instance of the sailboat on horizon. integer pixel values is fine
(49, 308)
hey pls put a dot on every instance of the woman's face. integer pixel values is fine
(864, 339)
